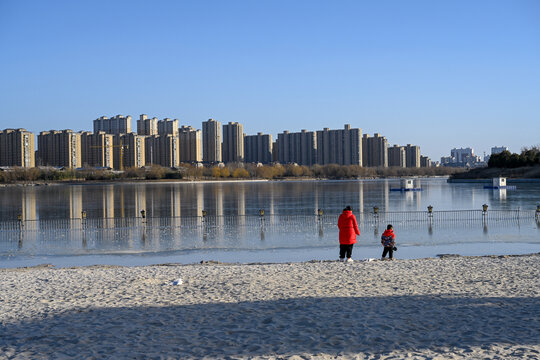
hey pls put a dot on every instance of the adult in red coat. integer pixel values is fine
(348, 229)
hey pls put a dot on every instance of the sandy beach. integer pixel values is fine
(437, 308)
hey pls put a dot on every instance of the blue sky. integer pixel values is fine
(438, 74)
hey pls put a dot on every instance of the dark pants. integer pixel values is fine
(388, 250)
(345, 249)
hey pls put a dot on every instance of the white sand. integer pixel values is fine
(452, 308)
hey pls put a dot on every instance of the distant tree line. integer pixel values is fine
(506, 159)
(230, 171)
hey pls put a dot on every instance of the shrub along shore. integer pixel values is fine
(230, 171)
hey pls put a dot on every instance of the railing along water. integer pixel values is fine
(272, 221)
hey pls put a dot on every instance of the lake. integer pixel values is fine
(53, 230)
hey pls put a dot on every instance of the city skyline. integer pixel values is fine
(440, 75)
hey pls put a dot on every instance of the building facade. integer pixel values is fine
(299, 148)
(211, 132)
(17, 148)
(162, 150)
(425, 161)
(375, 150)
(258, 148)
(413, 155)
(343, 147)
(397, 156)
(59, 148)
(190, 142)
(233, 142)
(167, 127)
(118, 124)
(97, 149)
(129, 151)
(146, 126)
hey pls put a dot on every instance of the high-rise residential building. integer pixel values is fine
(211, 131)
(97, 149)
(397, 156)
(190, 142)
(343, 147)
(462, 154)
(162, 150)
(233, 142)
(59, 148)
(425, 161)
(258, 148)
(129, 151)
(17, 148)
(300, 147)
(375, 150)
(146, 126)
(413, 155)
(167, 127)
(118, 124)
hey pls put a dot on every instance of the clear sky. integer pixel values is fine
(438, 74)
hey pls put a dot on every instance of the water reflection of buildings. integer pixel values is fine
(29, 205)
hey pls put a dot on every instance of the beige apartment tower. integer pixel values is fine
(146, 126)
(60, 148)
(118, 124)
(162, 150)
(211, 132)
(258, 148)
(233, 142)
(413, 155)
(17, 148)
(190, 142)
(396, 156)
(97, 149)
(129, 151)
(374, 150)
(343, 147)
(299, 148)
(167, 127)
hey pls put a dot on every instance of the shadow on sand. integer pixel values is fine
(335, 326)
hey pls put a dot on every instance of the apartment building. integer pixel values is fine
(190, 143)
(97, 149)
(146, 126)
(299, 148)
(233, 142)
(162, 150)
(59, 148)
(118, 124)
(129, 151)
(167, 127)
(374, 150)
(258, 148)
(343, 146)
(425, 161)
(211, 132)
(397, 156)
(17, 148)
(413, 155)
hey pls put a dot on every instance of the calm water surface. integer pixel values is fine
(174, 230)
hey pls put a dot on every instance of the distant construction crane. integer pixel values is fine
(121, 146)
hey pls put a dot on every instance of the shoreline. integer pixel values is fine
(228, 263)
(189, 181)
(267, 256)
(446, 308)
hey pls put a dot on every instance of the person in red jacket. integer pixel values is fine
(388, 240)
(348, 229)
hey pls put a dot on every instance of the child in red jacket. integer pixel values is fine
(348, 230)
(388, 240)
